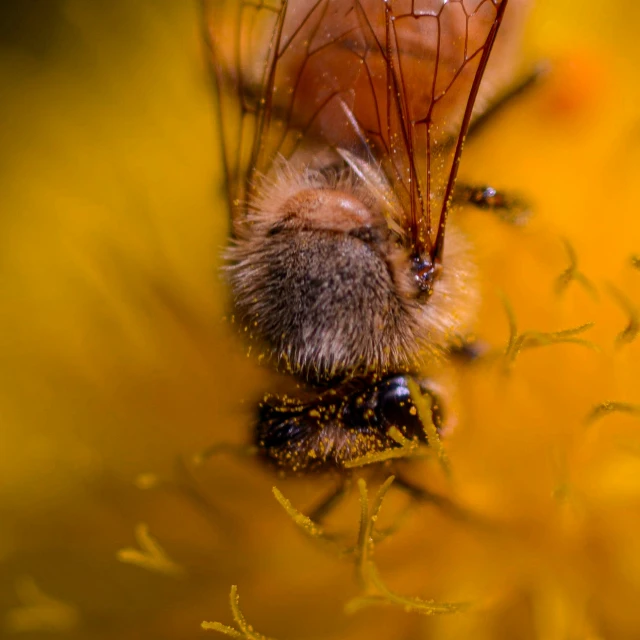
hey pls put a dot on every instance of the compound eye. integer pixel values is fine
(395, 407)
(393, 392)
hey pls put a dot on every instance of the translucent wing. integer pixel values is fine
(392, 82)
(242, 37)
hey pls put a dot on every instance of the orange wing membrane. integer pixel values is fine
(391, 82)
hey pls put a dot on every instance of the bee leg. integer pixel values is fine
(227, 448)
(508, 207)
(526, 83)
(469, 349)
(331, 500)
(183, 483)
(420, 494)
(187, 485)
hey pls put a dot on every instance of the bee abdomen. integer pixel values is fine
(322, 301)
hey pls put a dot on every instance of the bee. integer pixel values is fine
(343, 123)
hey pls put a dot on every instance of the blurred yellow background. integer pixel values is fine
(117, 360)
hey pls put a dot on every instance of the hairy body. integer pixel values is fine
(341, 172)
(323, 283)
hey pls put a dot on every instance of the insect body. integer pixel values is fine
(343, 123)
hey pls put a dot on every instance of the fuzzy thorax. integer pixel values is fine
(322, 281)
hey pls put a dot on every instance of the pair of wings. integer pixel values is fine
(390, 82)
